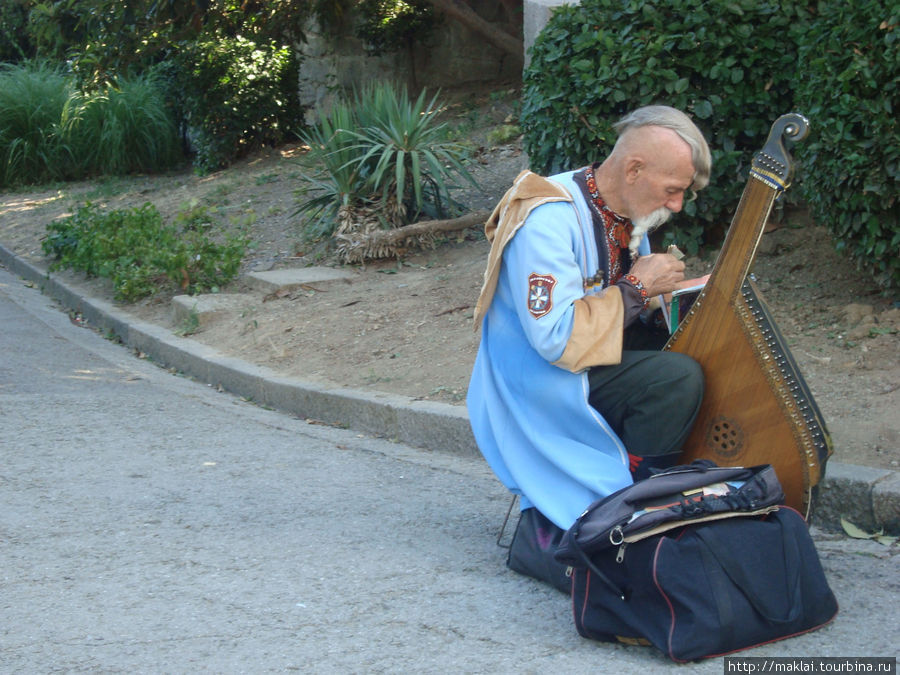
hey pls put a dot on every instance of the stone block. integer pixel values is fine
(886, 504)
(290, 279)
(209, 307)
(846, 492)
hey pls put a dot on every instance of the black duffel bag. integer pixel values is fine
(702, 584)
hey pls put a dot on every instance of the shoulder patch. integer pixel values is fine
(540, 294)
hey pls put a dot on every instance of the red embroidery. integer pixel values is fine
(540, 294)
(618, 228)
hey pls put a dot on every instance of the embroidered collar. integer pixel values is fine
(613, 234)
(619, 226)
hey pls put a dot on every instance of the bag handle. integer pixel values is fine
(726, 559)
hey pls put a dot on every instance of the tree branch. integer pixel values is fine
(461, 12)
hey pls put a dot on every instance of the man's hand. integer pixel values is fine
(659, 272)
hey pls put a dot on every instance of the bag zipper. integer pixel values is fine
(617, 538)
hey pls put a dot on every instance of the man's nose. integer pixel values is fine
(675, 203)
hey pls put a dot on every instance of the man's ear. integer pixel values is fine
(634, 165)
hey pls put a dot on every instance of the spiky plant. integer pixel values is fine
(338, 180)
(382, 156)
(412, 159)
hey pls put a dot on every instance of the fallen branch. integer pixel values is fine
(429, 227)
(356, 247)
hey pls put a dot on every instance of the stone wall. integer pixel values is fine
(454, 56)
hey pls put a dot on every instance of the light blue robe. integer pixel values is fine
(531, 419)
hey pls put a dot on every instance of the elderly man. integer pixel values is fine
(571, 398)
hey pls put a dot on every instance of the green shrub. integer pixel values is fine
(14, 42)
(33, 97)
(236, 96)
(386, 25)
(122, 128)
(138, 253)
(851, 62)
(383, 152)
(729, 64)
(102, 39)
(49, 130)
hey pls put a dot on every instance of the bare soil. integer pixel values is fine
(405, 325)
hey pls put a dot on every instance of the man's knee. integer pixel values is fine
(686, 374)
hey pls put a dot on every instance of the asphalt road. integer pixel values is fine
(151, 524)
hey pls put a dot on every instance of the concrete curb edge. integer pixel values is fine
(868, 497)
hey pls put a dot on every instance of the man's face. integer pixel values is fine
(660, 180)
(657, 188)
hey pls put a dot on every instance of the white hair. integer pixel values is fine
(681, 124)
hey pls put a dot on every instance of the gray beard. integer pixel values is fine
(646, 225)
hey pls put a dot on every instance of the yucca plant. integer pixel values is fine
(340, 179)
(382, 156)
(411, 157)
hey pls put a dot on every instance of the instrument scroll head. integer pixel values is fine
(773, 165)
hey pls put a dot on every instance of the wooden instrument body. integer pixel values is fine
(756, 407)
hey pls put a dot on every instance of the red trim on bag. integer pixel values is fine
(587, 594)
(665, 597)
(768, 642)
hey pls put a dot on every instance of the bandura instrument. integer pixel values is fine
(757, 409)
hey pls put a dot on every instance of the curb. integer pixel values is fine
(866, 496)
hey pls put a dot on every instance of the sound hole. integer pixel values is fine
(724, 437)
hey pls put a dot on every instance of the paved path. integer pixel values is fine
(866, 496)
(151, 524)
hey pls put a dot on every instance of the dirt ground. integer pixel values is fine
(405, 325)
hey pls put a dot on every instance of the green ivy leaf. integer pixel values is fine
(703, 109)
